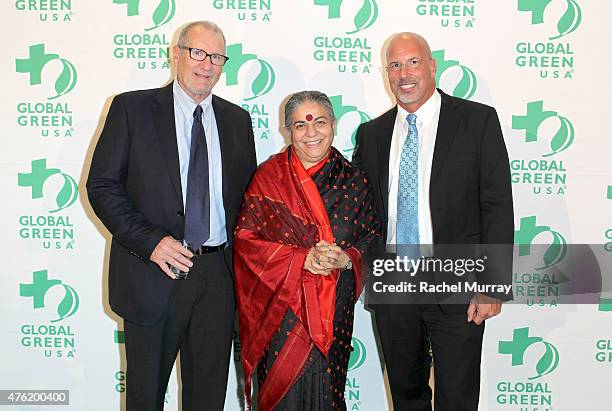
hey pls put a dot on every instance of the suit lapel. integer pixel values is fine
(226, 143)
(450, 115)
(384, 148)
(163, 114)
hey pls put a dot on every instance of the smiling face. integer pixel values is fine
(312, 133)
(198, 78)
(411, 86)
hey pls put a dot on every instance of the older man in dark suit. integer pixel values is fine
(439, 173)
(167, 179)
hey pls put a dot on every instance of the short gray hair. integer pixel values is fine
(302, 97)
(208, 25)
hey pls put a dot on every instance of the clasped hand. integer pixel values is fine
(325, 257)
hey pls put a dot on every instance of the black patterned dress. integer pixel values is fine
(321, 383)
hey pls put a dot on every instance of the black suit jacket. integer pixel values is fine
(134, 187)
(470, 193)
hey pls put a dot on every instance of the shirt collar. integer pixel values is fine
(186, 103)
(425, 113)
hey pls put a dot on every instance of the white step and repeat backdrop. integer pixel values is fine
(544, 64)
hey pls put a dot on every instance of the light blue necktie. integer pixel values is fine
(408, 187)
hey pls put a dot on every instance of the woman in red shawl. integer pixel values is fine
(306, 220)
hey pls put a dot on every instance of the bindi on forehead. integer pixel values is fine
(309, 117)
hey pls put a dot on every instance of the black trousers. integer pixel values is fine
(198, 322)
(405, 333)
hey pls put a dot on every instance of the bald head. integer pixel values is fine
(411, 70)
(409, 38)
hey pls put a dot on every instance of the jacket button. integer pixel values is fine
(180, 213)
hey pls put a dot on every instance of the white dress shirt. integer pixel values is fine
(184, 107)
(427, 125)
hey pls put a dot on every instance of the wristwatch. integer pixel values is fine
(348, 265)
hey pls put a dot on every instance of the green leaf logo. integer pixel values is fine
(340, 110)
(366, 16)
(467, 85)
(548, 362)
(527, 233)
(555, 252)
(570, 20)
(520, 343)
(163, 13)
(66, 80)
(39, 175)
(38, 288)
(563, 138)
(67, 195)
(69, 304)
(264, 81)
(35, 63)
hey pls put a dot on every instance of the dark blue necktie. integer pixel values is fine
(197, 206)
